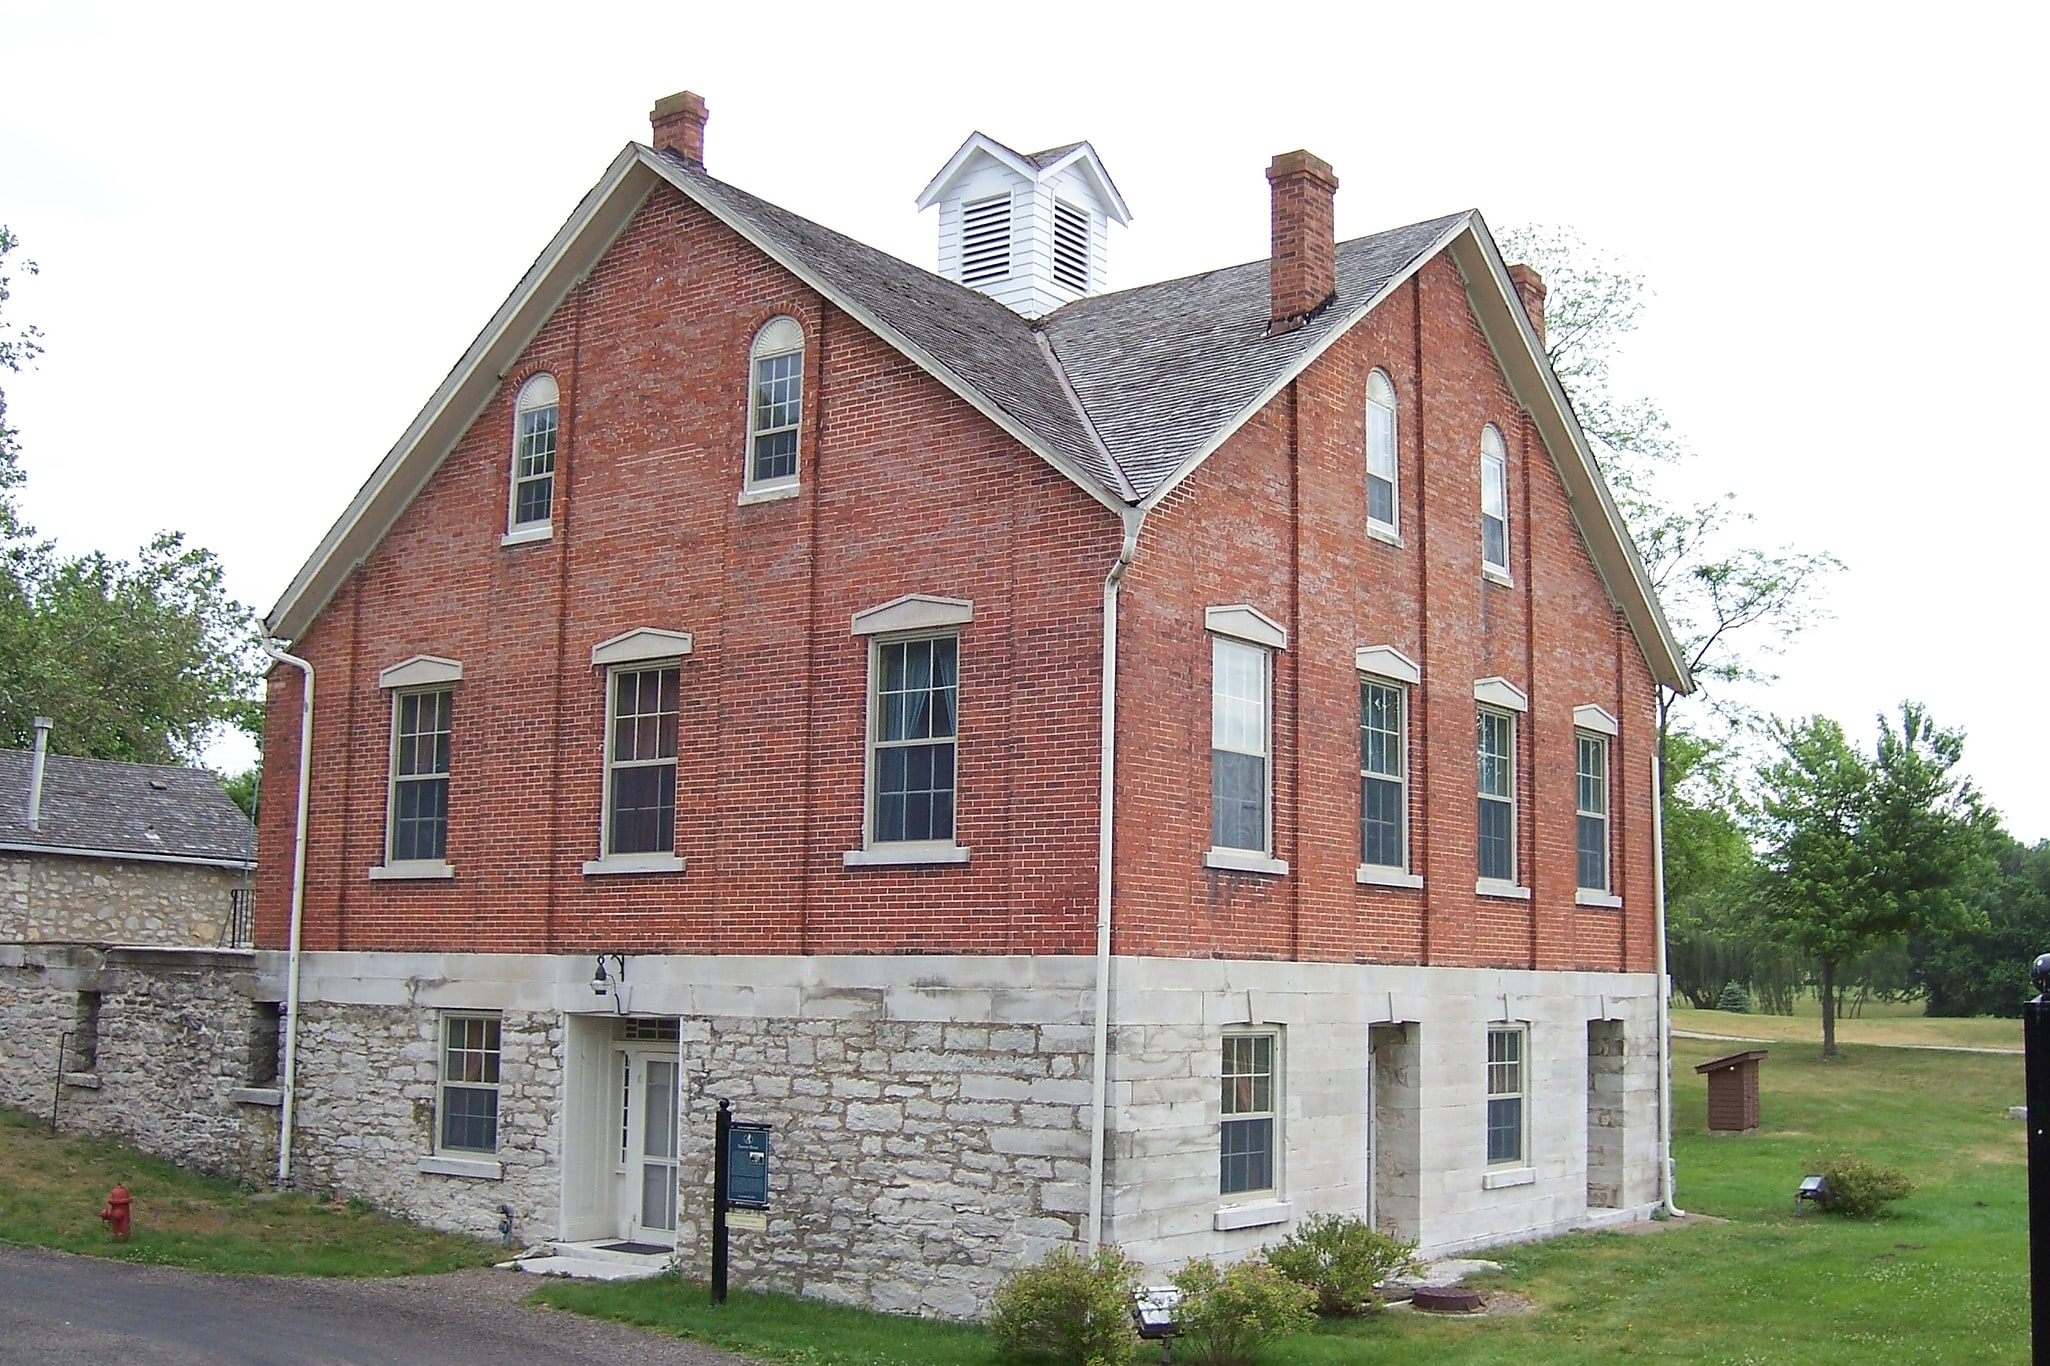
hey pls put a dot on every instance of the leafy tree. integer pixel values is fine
(1862, 852)
(1987, 973)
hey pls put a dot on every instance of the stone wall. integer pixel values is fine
(57, 898)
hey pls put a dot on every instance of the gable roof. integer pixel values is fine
(103, 808)
(1125, 394)
(1032, 166)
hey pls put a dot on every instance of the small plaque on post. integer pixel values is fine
(747, 1166)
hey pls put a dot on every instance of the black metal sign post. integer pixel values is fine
(2036, 1044)
(720, 1131)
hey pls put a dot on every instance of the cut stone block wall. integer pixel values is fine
(54, 898)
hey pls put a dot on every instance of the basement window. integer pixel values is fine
(986, 239)
(1070, 247)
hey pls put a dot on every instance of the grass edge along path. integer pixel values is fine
(52, 1189)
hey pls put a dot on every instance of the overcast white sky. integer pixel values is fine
(266, 234)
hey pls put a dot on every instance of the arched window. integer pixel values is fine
(1381, 515)
(776, 363)
(1494, 503)
(533, 465)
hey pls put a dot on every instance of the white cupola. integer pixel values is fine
(1029, 229)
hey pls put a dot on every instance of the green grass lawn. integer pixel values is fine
(1944, 1278)
(1880, 1023)
(52, 1189)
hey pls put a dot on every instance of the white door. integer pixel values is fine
(648, 1132)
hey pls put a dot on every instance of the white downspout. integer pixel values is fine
(1658, 884)
(289, 1075)
(1100, 1084)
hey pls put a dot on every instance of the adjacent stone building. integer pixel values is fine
(1140, 767)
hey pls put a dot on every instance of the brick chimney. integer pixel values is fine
(1302, 275)
(1530, 287)
(678, 124)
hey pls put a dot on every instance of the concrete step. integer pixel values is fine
(592, 1261)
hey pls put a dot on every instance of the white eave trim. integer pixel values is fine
(129, 855)
(1497, 691)
(913, 612)
(647, 645)
(421, 671)
(1249, 624)
(1385, 661)
(1597, 720)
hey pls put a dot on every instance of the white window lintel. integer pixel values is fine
(1497, 691)
(1247, 623)
(1385, 661)
(1595, 719)
(913, 612)
(644, 646)
(421, 671)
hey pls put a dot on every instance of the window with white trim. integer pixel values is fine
(1494, 502)
(1591, 810)
(912, 735)
(535, 414)
(467, 1102)
(1240, 739)
(775, 405)
(416, 826)
(1384, 774)
(640, 760)
(1381, 513)
(1245, 1131)
(1508, 1117)
(1497, 782)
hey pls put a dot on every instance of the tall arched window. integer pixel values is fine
(1494, 503)
(533, 465)
(1381, 515)
(776, 398)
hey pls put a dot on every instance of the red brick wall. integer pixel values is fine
(907, 489)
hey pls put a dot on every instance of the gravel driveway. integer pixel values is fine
(55, 1307)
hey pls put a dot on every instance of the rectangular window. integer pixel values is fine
(534, 466)
(469, 1083)
(1245, 1137)
(418, 823)
(917, 692)
(1497, 774)
(778, 393)
(1239, 737)
(1384, 795)
(1505, 1097)
(1592, 807)
(1494, 509)
(640, 762)
(1381, 460)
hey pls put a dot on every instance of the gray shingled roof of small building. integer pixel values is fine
(105, 807)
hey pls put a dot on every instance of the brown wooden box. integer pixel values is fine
(1733, 1092)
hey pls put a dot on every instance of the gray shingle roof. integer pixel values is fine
(117, 808)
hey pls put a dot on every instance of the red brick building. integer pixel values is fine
(1142, 765)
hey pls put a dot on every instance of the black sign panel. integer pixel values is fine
(747, 1166)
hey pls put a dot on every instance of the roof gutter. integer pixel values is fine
(125, 855)
(290, 1071)
(1106, 810)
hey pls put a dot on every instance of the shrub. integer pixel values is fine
(1069, 1309)
(1734, 999)
(1343, 1260)
(1228, 1316)
(1860, 1189)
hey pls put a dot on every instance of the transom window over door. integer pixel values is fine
(421, 729)
(775, 405)
(534, 432)
(1381, 515)
(916, 695)
(640, 761)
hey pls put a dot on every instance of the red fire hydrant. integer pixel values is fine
(117, 1213)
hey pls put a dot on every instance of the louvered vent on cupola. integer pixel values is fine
(1030, 231)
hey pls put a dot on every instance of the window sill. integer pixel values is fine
(1494, 575)
(614, 864)
(257, 1095)
(774, 493)
(1375, 875)
(1387, 534)
(1509, 891)
(527, 535)
(1506, 1177)
(1259, 1214)
(483, 1168)
(900, 855)
(410, 870)
(1584, 897)
(1243, 861)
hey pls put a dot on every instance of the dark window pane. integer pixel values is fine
(1495, 542)
(1238, 801)
(1497, 857)
(469, 1118)
(1380, 500)
(1594, 853)
(1245, 1155)
(420, 819)
(1505, 1129)
(1381, 822)
(644, 809)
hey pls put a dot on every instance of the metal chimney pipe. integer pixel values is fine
(35, 772)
